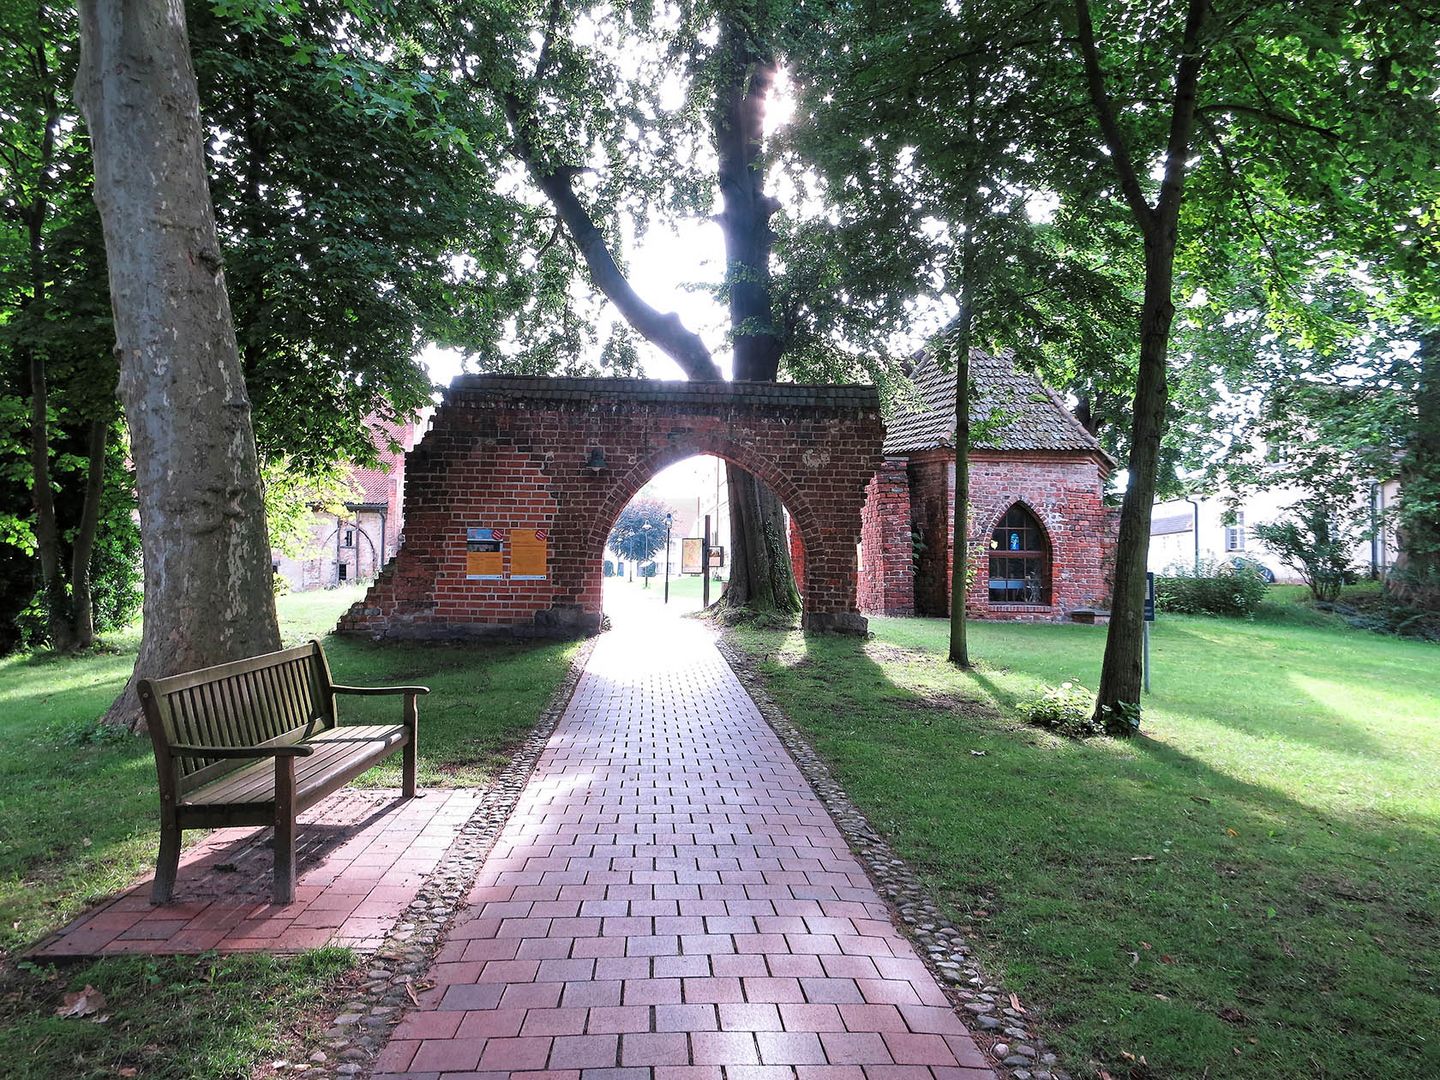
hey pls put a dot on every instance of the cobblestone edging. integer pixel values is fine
(379, 995)
(1000, 1027)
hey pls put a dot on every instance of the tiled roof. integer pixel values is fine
(374, 486)
(1175, 523)
(1028, 415)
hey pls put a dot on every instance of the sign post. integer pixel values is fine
(1149, 618)
(705, 563)
(669, 520)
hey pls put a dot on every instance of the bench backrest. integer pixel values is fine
(277, 698)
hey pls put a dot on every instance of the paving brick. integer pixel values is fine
(669, 896)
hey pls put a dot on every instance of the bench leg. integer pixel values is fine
(412, 748)
(408, 757)
(284, 892)
(167, 865)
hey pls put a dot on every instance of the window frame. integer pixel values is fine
(1041, 553)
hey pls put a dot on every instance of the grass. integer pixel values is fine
(190, 1018)
(685, 591)
(78, 822)
(1247, 890)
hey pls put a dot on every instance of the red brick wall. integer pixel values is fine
(887, 578)
(930, 506)
(1063, 490)
(512, 453)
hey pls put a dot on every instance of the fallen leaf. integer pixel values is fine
(86, 842)
(978, 753)
(1166, 958)
(1201, 799)
(1231, 832)
(1232, 1015)
(128, 1070)
(1145, 945)
(85, 1002)
(1142, 858)
(1134, 958)
(410, 989)
(1015, 1004)
(1163, 997)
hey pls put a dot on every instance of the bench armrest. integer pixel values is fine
(374, 690)
(289, 750)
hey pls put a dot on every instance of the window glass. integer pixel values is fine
(1019, 559)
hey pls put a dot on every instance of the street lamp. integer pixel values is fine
(645, 528)
(669, 520)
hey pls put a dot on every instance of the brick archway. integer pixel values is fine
(519, 455)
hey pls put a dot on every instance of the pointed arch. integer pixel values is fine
(1021, 564)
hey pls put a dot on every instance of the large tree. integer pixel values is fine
(623, 114)
(208, 596)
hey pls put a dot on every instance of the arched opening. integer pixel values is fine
(641, 574)
(1020, 561)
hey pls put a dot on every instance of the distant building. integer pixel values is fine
(353, 545)
(1040, 531)
(1219, 527)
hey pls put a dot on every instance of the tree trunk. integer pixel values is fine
(82, 607)
(1417, 577)
(762, 580)
(47, 525)
(1118, 698)
(960, 559)
(208, 595)
(1117, 703)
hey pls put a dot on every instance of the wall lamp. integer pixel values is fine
(596, 460)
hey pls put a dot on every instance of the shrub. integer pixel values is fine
(1068, 709)
(1210, 589)
(648, 570)
(609, 567)
(1316, 541)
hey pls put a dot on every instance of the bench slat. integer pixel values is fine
(255, 782)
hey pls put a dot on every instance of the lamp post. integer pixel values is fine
(669, 520)
(645, 528)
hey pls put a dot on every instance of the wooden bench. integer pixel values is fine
(257, 742)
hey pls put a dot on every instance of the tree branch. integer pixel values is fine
(663, 330)
(1109, 126)
(1182, 116)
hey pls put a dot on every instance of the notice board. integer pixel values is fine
(484, 554)
(690, 556)
(529, 555)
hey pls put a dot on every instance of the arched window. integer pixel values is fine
(1019, 560)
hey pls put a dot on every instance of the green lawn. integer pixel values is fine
(78, 811)
(1250, 889)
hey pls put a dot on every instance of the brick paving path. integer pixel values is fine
(669, 901)
(362, 858)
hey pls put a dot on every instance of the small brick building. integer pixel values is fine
(355, 544)
(1040, 533)
(511, 495)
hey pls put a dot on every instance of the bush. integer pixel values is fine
(649, 569)
(609, 568)
(1211, 589)
(1068, 709)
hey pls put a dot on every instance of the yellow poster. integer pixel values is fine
(484, 553)
(529, 554)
